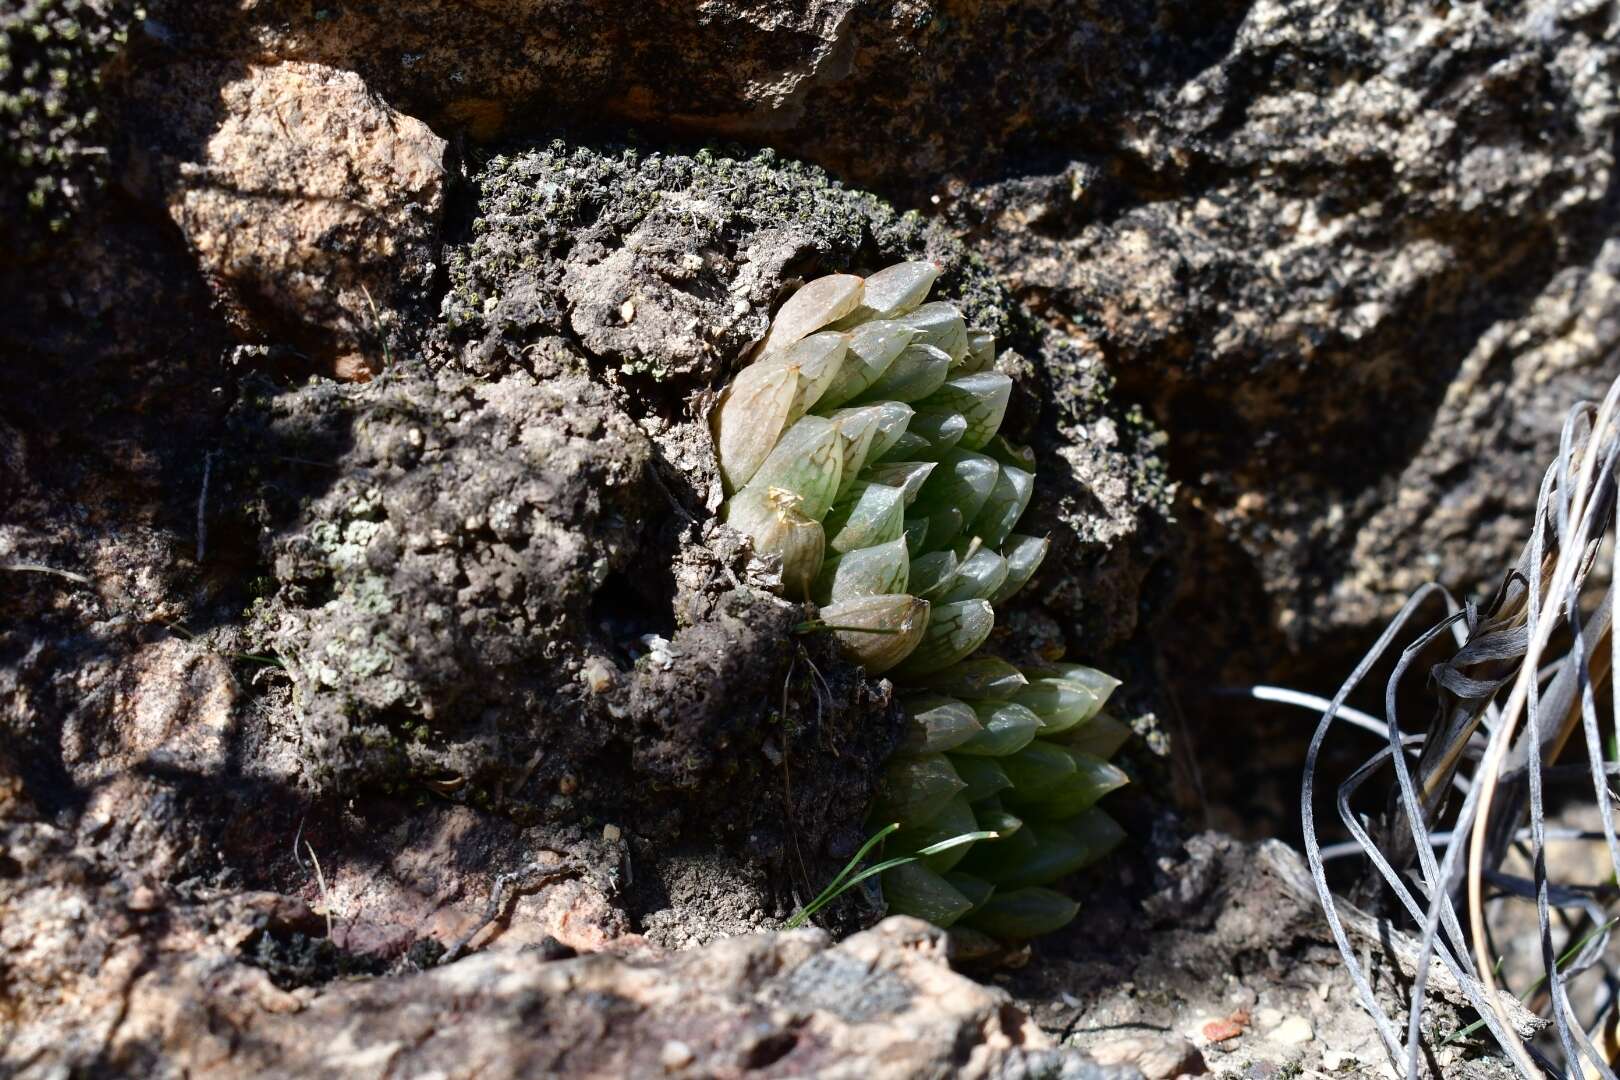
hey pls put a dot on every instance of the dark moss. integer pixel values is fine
(293, 959)
(52, 158)
(567, 235)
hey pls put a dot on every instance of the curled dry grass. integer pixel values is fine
(1519, 723)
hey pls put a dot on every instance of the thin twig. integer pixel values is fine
(202, 507)
(38, 568)
(326, 900)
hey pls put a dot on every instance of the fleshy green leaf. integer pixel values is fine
(940, 325)
(953, 631)
(878, 631)
(963, 483)
(979, 678)
(870, 514)
(895, 290)
(1060, 705)
(1006, 504)
(1024, 913)
(983, 775)
(872, 347)
(1099, 683)
(977, 890)
(1039, 769)
(869, 571)
(915, 790)
(857, 429)
(942, 429)
(1023, 555)
(913, 889)
(819, 358)
(1100, 737)
(981, 354)
(770, 518)
(1060, 848)
(918, 371)
(990, 814)
(1008, 728)
(1009, 453)
(908, 446)
(956, 818)
(933, 573)
(807, 462)
(980, 398)
(977, 577)
(935, 723)
(906, 475)
(817, 303)
(1093, 778)
(750, 417)
(916, 533)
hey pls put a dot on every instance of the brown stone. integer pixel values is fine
(311, 205)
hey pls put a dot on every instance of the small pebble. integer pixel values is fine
(1158, 1057)
(676, 1055)
(1294, 1031)
(598, 676)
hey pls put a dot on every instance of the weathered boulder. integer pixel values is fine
(440, 571)
(105, 974)
(881, 1004)
(665, 267)
(1356, 266)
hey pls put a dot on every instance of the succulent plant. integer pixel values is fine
(860, 448)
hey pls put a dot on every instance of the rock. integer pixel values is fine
(1293, 1031)
(460, 541)
(1359, 306)
(920, 97)
(1159, 1057)
(881, 1004)
(310, 205)
(1266, 256)
(705, 246)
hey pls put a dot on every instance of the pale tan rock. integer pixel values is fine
(1294, 1031)
(311, 205)
(882, 1005)
(1159, 1057)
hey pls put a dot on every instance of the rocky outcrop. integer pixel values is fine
(1352, 265)
(1336, 273)
(1287, 228)
(103, 978)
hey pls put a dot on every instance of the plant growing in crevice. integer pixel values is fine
(860, 448)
